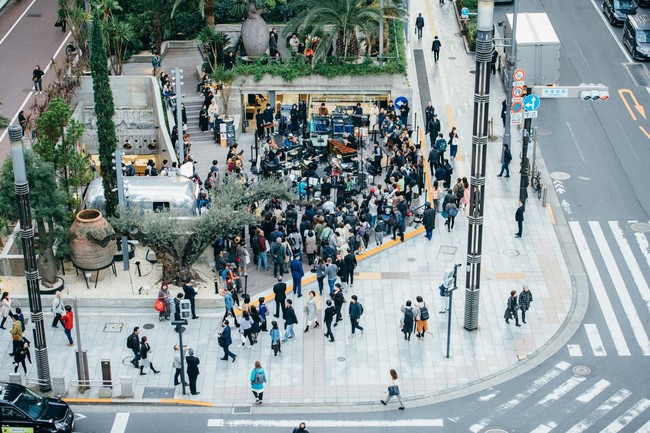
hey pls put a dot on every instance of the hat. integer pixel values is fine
(290, 135)
(426, 203)
(234, 265)
(279, 277)
(279, 240)
(372, 190)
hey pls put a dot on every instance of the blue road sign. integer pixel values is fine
(531, 102)
(400, 100)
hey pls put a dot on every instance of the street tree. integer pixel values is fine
(213, 42)
(179, 242)
(206, 8)
(104, 110)
(119, 34)
(227, 79)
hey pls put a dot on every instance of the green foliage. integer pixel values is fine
(119, 34)
(213, 42)
(4, 121)
(105, 110)
(240, 7)
(468, 28)
(185, 25)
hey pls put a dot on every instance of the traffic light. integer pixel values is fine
(185, 309)
(448, 279)
(594, 92)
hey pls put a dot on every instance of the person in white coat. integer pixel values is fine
(58, 309)
(311, 310)
(311, 245)
(392, 390)
(5, 304)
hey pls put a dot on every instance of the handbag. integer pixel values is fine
(444, 214)
(453, 212)
(159, 305)
(393, 390)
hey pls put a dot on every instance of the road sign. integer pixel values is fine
(519, 75)
(517, 91)
(515, 118)
(530, 114)
(518, 83)
(400, 100)
(517, 107)
(553, 92)
(531, 102)
(464, 14)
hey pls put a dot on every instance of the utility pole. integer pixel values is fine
(178, 83)
(512, 64)
(21, 186)
(484, 45)
(122, 202)
(381, 31)
(523, 180)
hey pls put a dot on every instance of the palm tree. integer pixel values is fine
(206, 7)
(107, 7)
(120, 33)
(338, 20)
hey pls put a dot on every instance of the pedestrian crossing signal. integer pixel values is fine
(185, 309)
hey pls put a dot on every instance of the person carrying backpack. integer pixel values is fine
(441, 143)
(408, 320)
(258, 378)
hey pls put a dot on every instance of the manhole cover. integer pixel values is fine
(113, 327)
(410, 259)
(242, 410)
(641, 227)
(153, 392)
(560, 175)
(544, 131)
(148, 326)
(581, 370)
(451, 58)
(447, 250)
(341, 358)
(511, 253)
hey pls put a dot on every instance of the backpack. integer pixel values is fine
(380, 227)
(360, 309)
(408, 314)
(460, 192)
(443, 145)
(129, 342)
(292, 241)
(259, 378)
(424, 313)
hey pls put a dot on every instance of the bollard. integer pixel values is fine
(15, 378)
(126, 383)
(105, 392)
(544, 197)
(58, 385)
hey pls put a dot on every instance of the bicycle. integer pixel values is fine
(537, 183)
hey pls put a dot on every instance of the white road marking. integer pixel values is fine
(542, 429)
(599, 290)
(563, 365)
(17, 21)
(78, 416)
(121, 420)
(628, 416)
(534, 387)
(561, 390)
(288, 423)
(621, 289)
(592, 392)
(594, 340)
(574, 349)
(600, 411)
(488, 396)
(646, 427)
(632, 265)
(611, 30)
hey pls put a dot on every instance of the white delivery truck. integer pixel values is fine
(538, 49)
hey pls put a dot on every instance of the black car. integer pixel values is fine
(617, 10)
(23, 410)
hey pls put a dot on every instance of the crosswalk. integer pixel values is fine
(617, 262)
(564, 399)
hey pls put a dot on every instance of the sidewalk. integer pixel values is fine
(350, 372)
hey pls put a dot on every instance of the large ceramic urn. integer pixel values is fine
(255, 33)
(91, 247)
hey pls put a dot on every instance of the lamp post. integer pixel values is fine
(484, 44)
(512, 64)
(178, 83)
(122, 202)
(29, 256)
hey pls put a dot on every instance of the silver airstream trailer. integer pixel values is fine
(150, 193)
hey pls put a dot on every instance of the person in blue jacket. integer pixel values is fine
(225, 340)
(297, 272)
(258, 378)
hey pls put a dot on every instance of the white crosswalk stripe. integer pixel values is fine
(600, 411)
(632, 265)
(561, 390)
(595, 341)
(574, 350)
(628, 416)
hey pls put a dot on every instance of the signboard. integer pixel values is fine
(7, 429)
(228, 129)
(400, 100)
(464, 14)
(554, 92)
(517, 107)
(518, 84)
(531, 102)
(516, 118)
(519, 75)
(530, 114)
(517, 91)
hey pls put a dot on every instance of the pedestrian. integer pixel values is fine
(429, 220)
(177, 366)
(451, 210)
(408, 320)
(421, 317)
(419, 25)
(258, 378)
(290, 319)
(37, 78)
(380, 229)
(280, 292)
(339, 300)
(404, 113)
(506, 157)
(453, 143)
(464, 199)
(504, 107)
(519, 217)
(435, 195)
(355, 312)
(177, 306)
(245, 329)
(392, 390)
(525, 298)
(156, 62)
(511, 309)
(16, 332)
(330, 312)
(311, 310)
(331, 272)
(277, 254)
(302, 428)
(133, 343)
(241, 257)
(493, 61)
(145, 360)
(190, 293)
(435, 47)
(297, 272)
(166, 298)
(311, 246)
(263, 312)
(225, 340)
(192, 370)
(275, 338)
(6, 308)
(20, 354)
(68, 321)
(57, 309)
(230, 304)
(349, 265)
(319, 266)
(257, 322)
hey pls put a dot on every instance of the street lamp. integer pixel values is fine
(512, 63)
(484, 44)
(177, 74)
(29, 256)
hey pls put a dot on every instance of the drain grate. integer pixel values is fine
(153, 392)
(638, 74)
(242, 410)
(511, 253)
(341, 358)
(581, 370)
(113, 327)
(641, 227)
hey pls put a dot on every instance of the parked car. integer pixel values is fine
(23, 410)
(636, 36)
(617, 10)
(642, 3)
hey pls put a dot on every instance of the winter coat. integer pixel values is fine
(289, 316)
(278, 253)
(408, 319)
(6, 307)
(429, 219)
(525, 298)
(310, 242)
(311, 309)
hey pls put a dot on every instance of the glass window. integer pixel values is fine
(11, 414)
(625, 6)
(30, 403)
(161, 206)
(643, 36)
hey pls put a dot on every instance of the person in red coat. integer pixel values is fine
(68, 321)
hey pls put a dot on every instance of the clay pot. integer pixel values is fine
(255, 33)
(92, 246)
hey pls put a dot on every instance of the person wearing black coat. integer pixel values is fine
(190, 294)
(339, 300)
(192, 370)
(144, 356)
(525, 298)
(429, 220)
(225, 340)
(511, 309)
(519, 217)
(330, 312)
(349, 264)
(434, 129)
(280, 292)
(135, 346)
